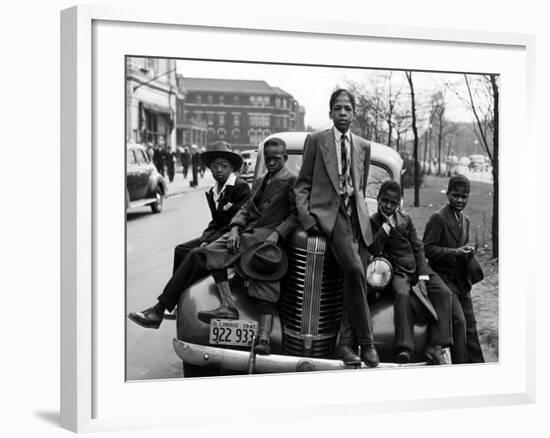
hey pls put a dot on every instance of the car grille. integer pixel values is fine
(311, 301)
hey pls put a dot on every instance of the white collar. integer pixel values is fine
(338, 134)
(230, 181)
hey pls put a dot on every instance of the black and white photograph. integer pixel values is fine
(285, 218)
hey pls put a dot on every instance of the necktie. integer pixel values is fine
(344, 178)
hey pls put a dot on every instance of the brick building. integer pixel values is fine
(151, 92)
(241, 112)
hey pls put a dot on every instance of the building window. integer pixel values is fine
(221, 132)
(236, 133)
(221, 119)
(210, 99)
(236, 120)
(284, 103)
(199, 98)
(278, 102)
(210, 119)
(285, 122)
(222, 99)
(236, 100)
(266, 100)
(253, 100)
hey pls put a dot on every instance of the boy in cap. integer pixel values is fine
(396, 239)
(446, 244)
(268, 217)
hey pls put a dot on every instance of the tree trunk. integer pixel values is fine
(494, 225)
(415, 148)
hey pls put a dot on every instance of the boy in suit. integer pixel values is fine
(446, 244)
(395, 238)
(224, 199)
(330, 198)
(269, 216)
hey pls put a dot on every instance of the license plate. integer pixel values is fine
(232, 332)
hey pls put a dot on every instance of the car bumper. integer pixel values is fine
(225, 358)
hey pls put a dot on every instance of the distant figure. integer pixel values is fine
(170, 161)
(184, 158)
(157, 159)
(150, 150)
(202, 166)
(195, 165)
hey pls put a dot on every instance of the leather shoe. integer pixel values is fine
(435, 355)
(404, 356)
(222, 312)
(263, 346)
(369, 355)
(347, 355)
(149, 318)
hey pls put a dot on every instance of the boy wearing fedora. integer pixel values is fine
(395, 238)
(224, 199)
(446, 244)
(263, 222)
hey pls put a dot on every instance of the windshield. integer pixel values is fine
(377, 172)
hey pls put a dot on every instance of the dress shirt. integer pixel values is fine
(217, 192)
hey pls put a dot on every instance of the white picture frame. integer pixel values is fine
(93, 397)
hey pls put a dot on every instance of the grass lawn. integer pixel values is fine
(479, 210)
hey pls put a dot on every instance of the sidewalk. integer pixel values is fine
(180, 185)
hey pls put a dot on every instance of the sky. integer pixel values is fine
(312, 86)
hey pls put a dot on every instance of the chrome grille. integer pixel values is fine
(311, 301)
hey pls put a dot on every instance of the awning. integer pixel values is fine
(155, 107)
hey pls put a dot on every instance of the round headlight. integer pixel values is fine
(379, 273)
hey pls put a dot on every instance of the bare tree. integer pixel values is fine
(484, 104)
(408, 74)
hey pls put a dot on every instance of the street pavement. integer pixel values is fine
(150, 242)
(181, 185)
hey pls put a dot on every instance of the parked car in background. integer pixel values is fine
(478, 163)
(306, 328)
(249, 164)
(144, 184)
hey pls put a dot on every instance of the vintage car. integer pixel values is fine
(305, 332)
(249, 164)
(144, 184)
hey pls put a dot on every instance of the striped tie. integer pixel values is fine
(345, 174)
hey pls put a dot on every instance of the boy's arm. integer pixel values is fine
(241, 217)
(432, 242)
(418, 249)
(381, 233)
(286, 227)
(302, 188)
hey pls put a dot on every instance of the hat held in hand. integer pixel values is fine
(264, 261)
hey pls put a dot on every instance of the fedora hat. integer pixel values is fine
(221, 149)
(264, 261)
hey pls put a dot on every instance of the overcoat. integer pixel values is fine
(270, 208)
(443, 234)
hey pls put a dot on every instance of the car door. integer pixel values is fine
(144, 173)
(132, 175)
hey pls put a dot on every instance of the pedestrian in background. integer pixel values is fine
(195, 165)
(184, 158)
(202, 166)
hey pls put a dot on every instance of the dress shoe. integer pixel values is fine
(435, 355)
(404, 355)
(221, 312)
(169, 315)
(263, 345)
(369, 355)
(345, 353)
(149, 318)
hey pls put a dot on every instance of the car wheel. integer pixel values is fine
(156, 207)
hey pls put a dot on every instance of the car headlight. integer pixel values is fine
(379, 273)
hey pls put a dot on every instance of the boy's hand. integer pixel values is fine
(273, 237)
(465, 251)
(233, 241)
